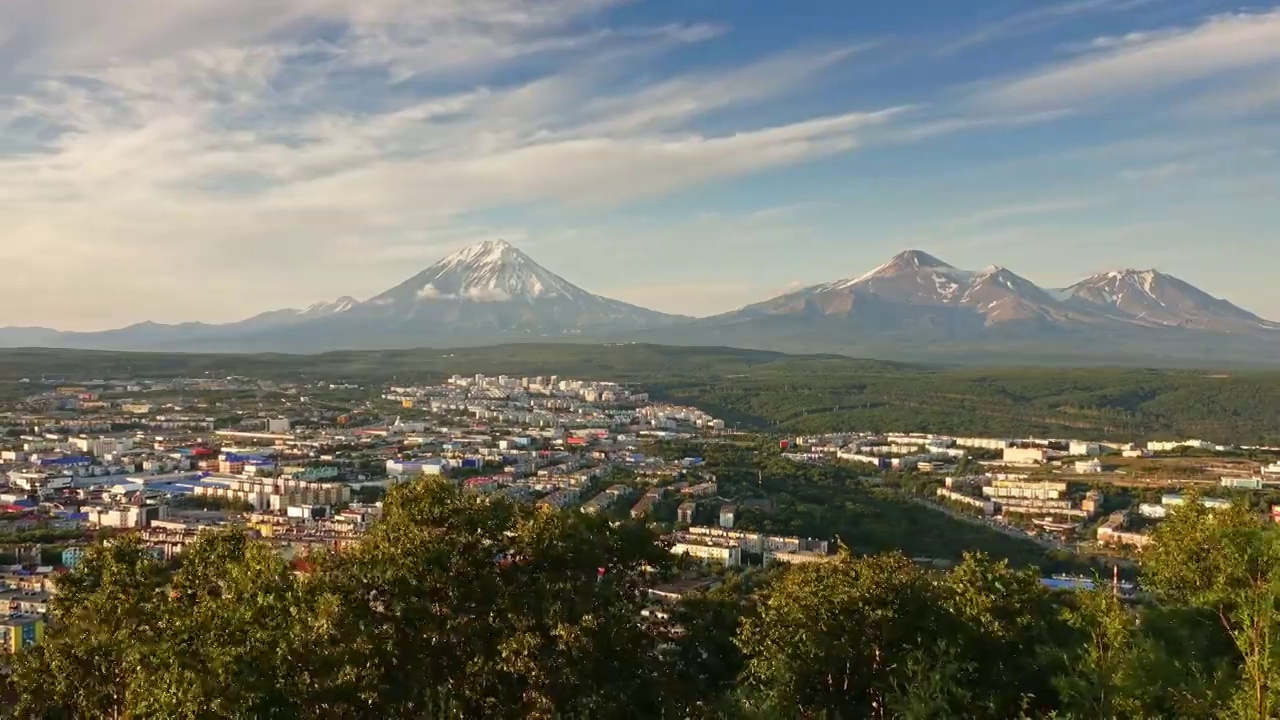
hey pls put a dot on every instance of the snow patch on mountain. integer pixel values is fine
(493, 287)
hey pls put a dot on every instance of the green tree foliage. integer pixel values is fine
(1104, 662)
(460, 606)
(502, 604)
(455, 605)
(1227, 563)
(868, 637)
(89, 663)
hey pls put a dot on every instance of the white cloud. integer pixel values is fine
(287, 137)
(1247, 96)
(1158, 173)
(83, 34)
(1038, 19)
(1147, 63)
(431, 292)
(1018, 211)
(487, 295)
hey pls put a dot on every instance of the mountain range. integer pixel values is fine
(913, 307)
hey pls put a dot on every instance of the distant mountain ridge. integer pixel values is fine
(998, 295)
(915, 303)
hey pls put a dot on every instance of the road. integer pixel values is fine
(1012, 532)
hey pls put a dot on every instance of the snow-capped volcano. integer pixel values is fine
(915, 280)
(1150, 297)
(914, 305)
(492, 271)
(911, 276)
(919, 297)
(490, 291)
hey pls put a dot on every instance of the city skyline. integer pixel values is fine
(208, 163)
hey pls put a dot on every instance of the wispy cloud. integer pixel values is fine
(1158, 173)
(302, 132)
(1246, 96)
(1146, 63)
(1037, 20)
(1005, 213)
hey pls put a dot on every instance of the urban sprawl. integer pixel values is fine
(303, 467)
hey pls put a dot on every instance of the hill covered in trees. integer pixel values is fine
(460, 606)
(772, 391)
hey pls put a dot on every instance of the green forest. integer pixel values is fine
(461, 606)
(775, 392)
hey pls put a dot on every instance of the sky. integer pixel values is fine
(211, 159)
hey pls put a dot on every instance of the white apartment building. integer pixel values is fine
(798, 558)
(1026, 455)
(99, 447)
(1152, 511)
(984, 443)
(133, 516)
(1086, 449)
(276, 494)
(727, 554)
(1029, 490)
(36, 481)
(988, 507)
(1170, 446)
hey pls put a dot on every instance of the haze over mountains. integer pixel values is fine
(913, 307)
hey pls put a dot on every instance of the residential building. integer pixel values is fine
(72, 556)
(1092, 503)
(18, 631)
(727, 554)
(986, 506)
(1112, 532)
(1211, 503)
(1079, 448)
(727, 515)
(684, 513)
(984, 443)
(127, 516)
(1026, 489)
(1152, 511)
(1026, 455)
(701, 490)
(98, 447)
(606, 499)
(798, 558)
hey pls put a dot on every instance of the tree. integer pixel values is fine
(833, 637)
(1000, 620)
(1226, 562)
(232, 637)
(705, 661)
(515, 611)
(102, 623)
(1103, 662)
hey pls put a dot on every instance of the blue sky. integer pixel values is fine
(209, 160)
